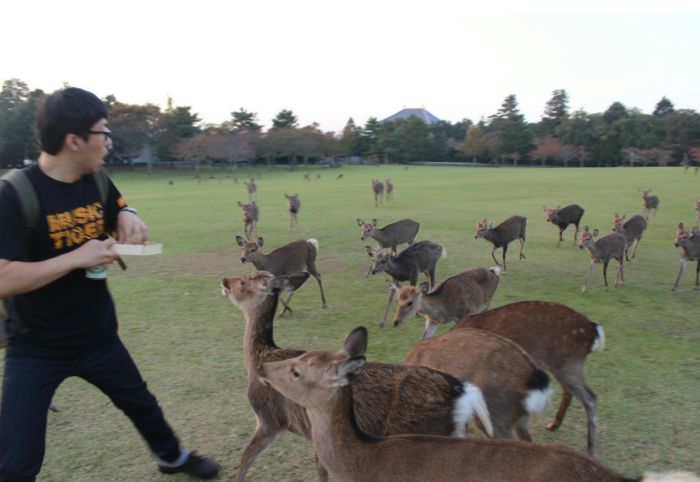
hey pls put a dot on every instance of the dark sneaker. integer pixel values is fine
(195, 466)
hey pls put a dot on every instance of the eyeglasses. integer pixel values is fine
(107, 134)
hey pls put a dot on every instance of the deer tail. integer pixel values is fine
(313, 242)
(599, 341)
(669, 477)
(471, 402)
(495, 270)
(538, 394)
(443, 254)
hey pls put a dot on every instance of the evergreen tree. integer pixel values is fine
(285, 119)
(556, 110)
(244, 120)
(663, 107)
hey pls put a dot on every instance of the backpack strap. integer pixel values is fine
(27, 196)
(102, 181)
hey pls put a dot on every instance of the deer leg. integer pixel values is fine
(620, 273)
(386, 311)
(588, 398)
(584, 288)
(561, 411)
(697, 276)
(264, 437)
(285, 304)
(575, 234)
(605, 274)
(561, 237)
(684, 263)
(505, 250)
(634, 251)
(521, 429)
(321, 470)
(493, 255)
(431, 276)
(430, 327)
(522, 248)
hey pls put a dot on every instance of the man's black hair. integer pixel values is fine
(67, 111)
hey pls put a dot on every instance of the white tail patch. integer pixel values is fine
(443, 254)
(314, 242)
(495, 270)
(537, 400)
(471, 402)
(599, 343)
(670, 477)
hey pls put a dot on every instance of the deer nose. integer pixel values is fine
(242, 260)
(397, 322)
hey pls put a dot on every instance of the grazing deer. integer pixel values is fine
(389, 190)
(690, 251)
(378, 190)
(510, 229)
(250, 218)
(339, 177)
(324, 383)
(294, 205)
(391, 399)
(632, 230)
(307, 177)
(603, 250)
(294, 257)
(252, 188)
(513, 386)
(559, 339)
(562, 217)
(420, 257)
(459, 296)
(391, 235)
(650, 202)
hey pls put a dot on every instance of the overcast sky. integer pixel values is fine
(329, 60)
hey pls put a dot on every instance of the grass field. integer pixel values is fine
(187, 338)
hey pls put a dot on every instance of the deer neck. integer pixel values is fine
(258, 337)
(262, 262)
(430, 306)
(594, 250)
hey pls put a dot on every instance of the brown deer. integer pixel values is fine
(420, 257)
(563, 216)
(632, 230)
(294, 257)
(324, 384)
(651, 203)
(339, 177)
(307, 177)
(697, 212)
(389, 187)
(294, 205)
(689, 242)
(603, 250)
(459, 296)
(378, 190)
(391, 235)
(391, 399)
(252, 189)
(509, 230)
(559, 339)
(513, 386)
(250, 218)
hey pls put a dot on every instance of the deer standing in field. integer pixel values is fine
(559, 339)
(697, 212)
(391, 235)
(690, 251)
(562, 217)
(294, 257)
(390, 399)
(603, 250)
(459, 296)
(294, 205)
(339, 177)
(324, 384)
(250, 218)
(650, 202)
(501, 235)
(632, 230)
(378, 190)
(252, 189)
(420, 257)
(389, 190)
(307, 177)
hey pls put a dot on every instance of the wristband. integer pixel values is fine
(129, 210)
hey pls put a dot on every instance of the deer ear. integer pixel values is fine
(240, 205)
(240, 241)
(374, 222)
(288, 283)
(359, 222)
(285, 195)
(595, 233)
(355, 343)
(423, 288)
(260, 242)
(339, 371)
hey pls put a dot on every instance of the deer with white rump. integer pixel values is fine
(323, 383)
(250, 218)
(391, 235)
(459, 296)
(378, 190)
(689, 242)
(294, 206)
(603, 250)
(420, 257)
(390, 399)
(563, 216)
(294, 257)
(500, 236)
(651, 203)
(632, 230)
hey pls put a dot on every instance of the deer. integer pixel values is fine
(514, 387)
(294, 205)
(391, 235)
(420, 257)
(689, 243)
(464, 294)
(378, 190)
(559, 339)
(696, 202)
(250, 218)
(294, 257)
(500, 236)
(307, 177)
(252, 189)
(339, 177)
(563, 216)
(632, 230)
(389, 190)
(603, 250)
(324, 383)
(650, 202)
(391, 399)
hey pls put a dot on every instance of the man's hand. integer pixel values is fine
(94, 253)
(130, 229)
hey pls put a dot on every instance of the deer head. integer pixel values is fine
(587, 237)
(380, 258)
(366, 228)
(482, 227)
(408, 301)
(250, 250)
(681, 234)
(249, 290)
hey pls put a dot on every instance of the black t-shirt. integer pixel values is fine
(73, 315)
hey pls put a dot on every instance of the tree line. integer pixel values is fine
(618, 136)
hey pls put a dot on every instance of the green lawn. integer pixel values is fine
(186, 337)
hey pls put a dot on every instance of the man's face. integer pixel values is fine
(96, 147)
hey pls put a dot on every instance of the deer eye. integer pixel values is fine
(294, 373)
(242, 282)
(409, 304)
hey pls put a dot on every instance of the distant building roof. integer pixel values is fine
(422, 114)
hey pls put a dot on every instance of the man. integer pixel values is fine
(60, 322)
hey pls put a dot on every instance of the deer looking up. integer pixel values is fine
(510, 229)
(378, 190)
(458, 297)
(252, 189)
(391, 235)
(389, 190)
(294, 257)
(632, 230)
(562, 217)
(250, 218)
(324, 384)
(603, 250)
(651, 203)
(690, 251)
(390, 399)
(294, 205)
